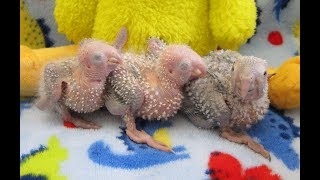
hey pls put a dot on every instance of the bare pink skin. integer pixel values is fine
(249, 77)
(243, 138)
(163, 73)
(178, 65)
(78, 84)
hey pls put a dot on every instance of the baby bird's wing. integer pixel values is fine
(218, 81)
(219, 70)
(225, 56)
(124, 91)
(115, 104)
(196, 117)
(52, 82)
(208, 101)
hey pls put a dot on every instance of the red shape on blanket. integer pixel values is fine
(260, 172)
(275, 38)
(223, 166)
(68, 124)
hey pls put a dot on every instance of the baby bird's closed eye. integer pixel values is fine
(182, 63)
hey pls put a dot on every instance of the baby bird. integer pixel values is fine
(150, 86)
(231, 97)
(76, 85)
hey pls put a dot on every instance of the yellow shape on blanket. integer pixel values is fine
(296, 29)
(162, 135)
(30, 32)
(46, 162)
(296, 33)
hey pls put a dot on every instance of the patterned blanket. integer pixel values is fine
(53, 149)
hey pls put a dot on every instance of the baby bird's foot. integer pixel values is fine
(85, 124)
(80, 123)
(143, 137)
(42, 103)
(242, 138)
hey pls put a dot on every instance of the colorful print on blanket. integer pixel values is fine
(142, 155)
(43, 163)
(224, 166)
(25, 104)
(276, 133)
(277, 36)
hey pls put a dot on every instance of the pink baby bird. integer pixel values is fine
(76, 85)
(150, 86)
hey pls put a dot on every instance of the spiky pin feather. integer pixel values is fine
(76, 85)
(150, 85)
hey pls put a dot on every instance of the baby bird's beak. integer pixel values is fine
(245, 83)
(244, 88)
(196, 73)
(115, 61)
(199, 69)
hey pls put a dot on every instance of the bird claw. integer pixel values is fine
(258, 148)
(42, 103)
(142, 137)
(247, 140)
(80, 123)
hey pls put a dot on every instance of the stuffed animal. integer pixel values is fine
(284, 86)
(30, 31)
(202, 24)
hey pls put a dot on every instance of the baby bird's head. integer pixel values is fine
(97, 58)
(249, 78)
(180, 62)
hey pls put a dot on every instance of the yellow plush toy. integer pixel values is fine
(202, 24)
(33, 60)
(30, 32)
(284, 86)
